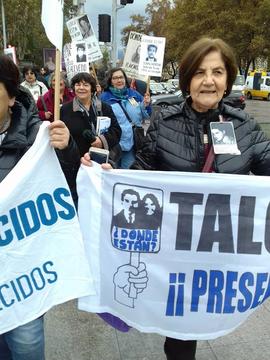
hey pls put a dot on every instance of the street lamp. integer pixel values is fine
(4, 25)
(115, 8)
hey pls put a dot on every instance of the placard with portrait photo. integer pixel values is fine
(223, 138)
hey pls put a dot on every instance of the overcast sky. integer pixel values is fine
(95, 7)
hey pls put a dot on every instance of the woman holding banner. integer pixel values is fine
(179, 138)
(19, 124)
(130, 109)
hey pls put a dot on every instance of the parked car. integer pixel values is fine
(239, 83)
(174, 82)
(156, 88)
(166, 100)
(236, 99)
(170, 88)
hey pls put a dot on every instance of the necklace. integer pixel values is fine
(5, 124)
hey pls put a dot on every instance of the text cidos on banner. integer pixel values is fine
(28, 217)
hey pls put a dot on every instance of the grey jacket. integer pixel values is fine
(175, 142)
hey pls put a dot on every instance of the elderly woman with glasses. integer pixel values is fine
(130, 109)
(31, 83)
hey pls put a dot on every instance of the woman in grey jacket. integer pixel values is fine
(180, 136)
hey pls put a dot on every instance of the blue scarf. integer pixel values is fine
(119, 93)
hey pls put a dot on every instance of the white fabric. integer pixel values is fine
(52, 20)
(42, 258)
(206, 267)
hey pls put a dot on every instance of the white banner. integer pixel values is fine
(52, 20)
(151, 55)
(185, 255)
(42, 258)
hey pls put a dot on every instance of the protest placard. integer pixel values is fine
(151, 56)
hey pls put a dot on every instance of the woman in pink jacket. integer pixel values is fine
(45, 103)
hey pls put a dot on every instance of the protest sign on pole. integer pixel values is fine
(81, 30)
(151, 55)
(132, 55)
(201, 243)
(42, 256)
(75, 58)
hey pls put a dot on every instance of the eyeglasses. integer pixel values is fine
(118, 78)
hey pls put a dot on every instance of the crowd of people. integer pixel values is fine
(179, 139)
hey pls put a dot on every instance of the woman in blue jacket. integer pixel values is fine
(130, 109)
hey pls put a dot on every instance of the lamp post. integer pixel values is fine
(4, 24)
(115, 8)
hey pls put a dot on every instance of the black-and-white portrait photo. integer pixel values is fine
(81, 55)
(151, 53)
(85, 27)
(222, 133)
(127, 217)
(136, 56)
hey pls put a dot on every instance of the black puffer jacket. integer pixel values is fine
(21, 135)
(176, 142)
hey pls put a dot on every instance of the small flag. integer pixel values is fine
(52, 20)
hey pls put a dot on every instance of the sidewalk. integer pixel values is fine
(77, 335)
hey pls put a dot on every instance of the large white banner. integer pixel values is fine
(42, 258)
(52, 20)
(184, 255)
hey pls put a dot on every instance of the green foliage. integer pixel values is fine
(241, 23)
(25, 30)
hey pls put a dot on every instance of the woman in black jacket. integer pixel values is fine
(80, 116)
(19, 124)
(180, 136)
